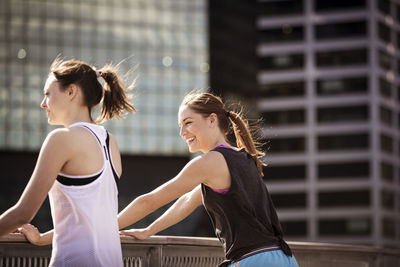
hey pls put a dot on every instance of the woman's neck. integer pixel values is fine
(78, 117)
(217, 142)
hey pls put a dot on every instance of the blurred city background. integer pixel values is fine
(324, 76)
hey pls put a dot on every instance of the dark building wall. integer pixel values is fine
(232, 42)
(141, 174)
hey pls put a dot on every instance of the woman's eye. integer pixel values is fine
(187, 123)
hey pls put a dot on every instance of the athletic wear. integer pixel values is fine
(270, 258)
(84, 211)
(244, 218)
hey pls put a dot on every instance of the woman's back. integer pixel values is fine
(84, 204)
(87, 155)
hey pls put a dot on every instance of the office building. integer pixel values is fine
(327, 85)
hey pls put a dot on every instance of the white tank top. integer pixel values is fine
(84, 211)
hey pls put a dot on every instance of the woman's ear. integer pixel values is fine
(213, 119)
(72, 91)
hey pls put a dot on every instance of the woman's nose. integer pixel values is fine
(181, 132)
(43, 103)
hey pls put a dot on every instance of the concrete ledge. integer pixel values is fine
(175, 251)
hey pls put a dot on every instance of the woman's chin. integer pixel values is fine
(193, 149)
(53, 122)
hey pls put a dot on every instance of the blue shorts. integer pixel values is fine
(272, 258)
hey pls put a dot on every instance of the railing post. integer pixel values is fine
(154, 257)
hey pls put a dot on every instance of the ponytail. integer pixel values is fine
(244, 139)
(115, 100)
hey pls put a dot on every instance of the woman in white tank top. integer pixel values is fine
(78, 166)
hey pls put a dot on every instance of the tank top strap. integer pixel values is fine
(98, 132)
(108, 151)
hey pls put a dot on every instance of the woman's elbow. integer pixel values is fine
(148, 202)
(21, 216)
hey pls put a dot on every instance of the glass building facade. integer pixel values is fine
(165, 41)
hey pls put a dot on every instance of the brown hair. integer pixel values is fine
(206, 104)
(115, 100)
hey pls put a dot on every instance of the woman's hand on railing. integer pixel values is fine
(31, 233)
(34, 236)
(136, 233)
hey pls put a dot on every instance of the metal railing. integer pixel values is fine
(174, 251)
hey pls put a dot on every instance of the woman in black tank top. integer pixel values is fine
(227, 178)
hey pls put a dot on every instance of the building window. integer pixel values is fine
(398, 121)
(385, 88)
(384, 32)
(286, 33)
(386, 116)
(350, 226)
(283, 89)
(282, 7)
(398, 94)
(387, 199)
(387, 171)
(323, 5)
(398, 149)
(398, 64)
(385, 60)
(283, 173)
(386, 143)
(343, 142)
(294, 228)
(342, 114)
(289, 200)
(282, 62)
(384, 6)
(398, 41)
(286, 145)
(284, 117)
(341, 30)
(340, 86)
(342, 58)
(343, 170)
(388, 228)
(398, 12)
(344, 198)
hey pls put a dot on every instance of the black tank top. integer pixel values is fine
(244, 218)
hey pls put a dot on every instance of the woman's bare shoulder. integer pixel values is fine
(209, 163)
(69, 137)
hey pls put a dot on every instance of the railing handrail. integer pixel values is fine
(214, 242)
(342, 248)
(153, 240)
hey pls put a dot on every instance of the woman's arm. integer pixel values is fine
(184, 206)
(51, 158)
(199, 170)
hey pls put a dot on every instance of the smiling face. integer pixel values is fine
(54, 101)
(194, 129)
